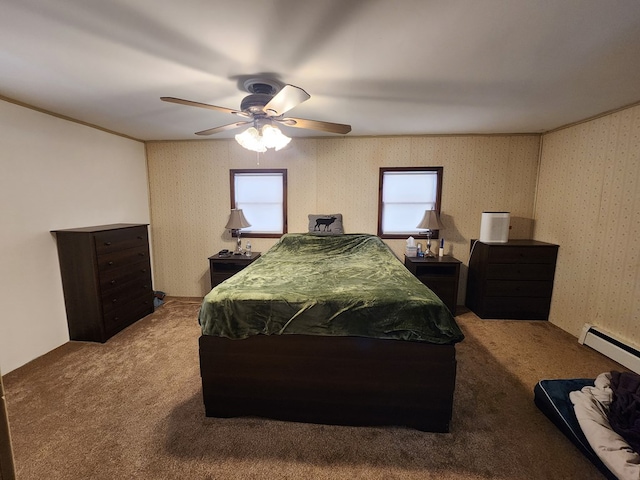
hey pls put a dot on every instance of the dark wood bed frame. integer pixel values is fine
(329, 380)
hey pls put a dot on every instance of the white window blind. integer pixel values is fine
(260, 195)
(405, 197)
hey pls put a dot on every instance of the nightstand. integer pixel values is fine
(221, 267)
(440, 274)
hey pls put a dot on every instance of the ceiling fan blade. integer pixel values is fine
(315, 125)
(202, 105)
(223, 128)
(287, 98)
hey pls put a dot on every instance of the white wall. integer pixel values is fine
(54, 174)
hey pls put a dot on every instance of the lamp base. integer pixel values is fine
(429, 253)
(238, 250)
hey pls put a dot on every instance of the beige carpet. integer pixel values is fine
(131, 408)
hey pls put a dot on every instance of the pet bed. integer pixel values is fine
(580, 409)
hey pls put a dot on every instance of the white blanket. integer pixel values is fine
(591, 405)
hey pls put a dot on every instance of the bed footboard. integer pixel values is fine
(329, 380)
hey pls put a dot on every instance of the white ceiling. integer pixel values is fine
(387, 67)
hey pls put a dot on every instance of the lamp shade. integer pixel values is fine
(430, 221)
(237, 220)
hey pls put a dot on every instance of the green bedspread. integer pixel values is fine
(345, 285)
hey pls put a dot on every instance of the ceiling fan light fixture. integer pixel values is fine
(273, 138)
(269, 136)
(251, 140)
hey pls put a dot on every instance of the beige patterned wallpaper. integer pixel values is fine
(588, 201)
(189, 192)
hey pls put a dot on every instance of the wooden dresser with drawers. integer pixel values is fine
(512, 280)
(106, 278)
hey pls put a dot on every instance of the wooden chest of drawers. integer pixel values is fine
(106, 277)
(511, 280)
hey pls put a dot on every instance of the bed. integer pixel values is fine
(581, 409)
(329, 329)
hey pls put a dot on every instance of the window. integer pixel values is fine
(262, 196)
(405, 193)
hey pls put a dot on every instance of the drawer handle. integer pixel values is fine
(141, 254)
(115, 300)
(140, 237)
(144, 287)
(107, 243)
(113, 282)
(143, 270)
(110, 263)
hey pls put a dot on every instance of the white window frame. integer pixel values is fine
(412, 202)
(253, 203)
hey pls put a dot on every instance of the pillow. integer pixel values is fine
(326, 224)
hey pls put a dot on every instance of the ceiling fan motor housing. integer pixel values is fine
(262, 91)
(255, 103)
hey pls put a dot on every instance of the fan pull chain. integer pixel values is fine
(258, 158)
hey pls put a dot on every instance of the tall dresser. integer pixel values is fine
(511, 280)
(106, 278)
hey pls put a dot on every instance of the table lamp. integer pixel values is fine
(430, 222)
(235, 223)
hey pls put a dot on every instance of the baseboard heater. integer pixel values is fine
(610, 346)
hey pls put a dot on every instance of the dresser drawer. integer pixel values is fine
(122, 293)
(111, 261)
(114, 240)
(520, 271)
(521, 308)
(115, 277)
(118, 318)
(518, 288)
(523, 255)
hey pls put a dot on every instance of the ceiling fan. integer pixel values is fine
(265, 106)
